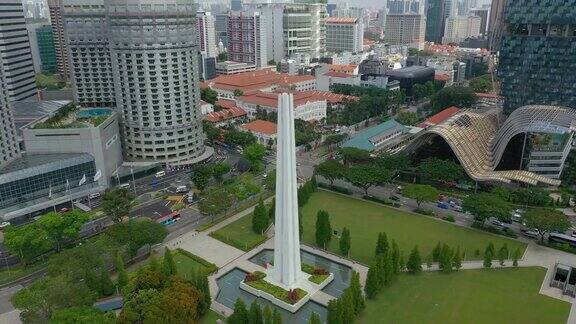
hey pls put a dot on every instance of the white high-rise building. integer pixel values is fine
(15, 53)
(272, 14)
(86, 31)
(155, 68)
(344, 34)
(141, 57)
(405, 29)
(206, 34)
(461, 27)
(304, 29)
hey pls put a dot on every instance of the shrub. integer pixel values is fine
(320, 271)
(426, 212)
(293, 296)
(254, 276)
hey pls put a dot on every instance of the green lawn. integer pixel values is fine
(469, 296)
(210, 318)
(365, 220)
(186, 265)
(239, 234)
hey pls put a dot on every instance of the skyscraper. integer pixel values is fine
(247, 38)
(344, 34)
(435, 20)
(9, 149)
(45, 41)
(89, 52)
(141, 57)
(15, 54)
(405, 6)
(154, 56)
(304, 29)
(206, 34)
(60, 47)
(496, 24)
(405, 29)
(538, 53)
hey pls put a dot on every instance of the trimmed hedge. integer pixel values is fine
(449, 218)
(211, 267)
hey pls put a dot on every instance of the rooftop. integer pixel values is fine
(363, 140)
(261, 126)
(413, 71)
(71, 116)
(339, 75)
(225, 114)
(255, 80)
(341, 20)
(37, 164)
(26, 112)
(270, 99)
(346, 68)
(440, 117)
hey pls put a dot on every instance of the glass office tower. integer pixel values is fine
(538, 53)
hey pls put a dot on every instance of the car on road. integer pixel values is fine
(3, 225)
(531, 233)
(181, 189)
(395, 198)
(160, 174)
(516, 217)
(124, 186)
(443, 205)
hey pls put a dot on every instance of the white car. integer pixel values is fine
(3, 225)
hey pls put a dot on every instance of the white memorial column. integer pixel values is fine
(286, 269)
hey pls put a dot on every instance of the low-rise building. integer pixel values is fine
(387, 137)
(409, 76)
(68, 131)
(326, 80)
(229, 67)
(262, 80)
(263, 130)
(228, 112)
(351, 69)
(35, 182)
(439, 117)
(308, 105)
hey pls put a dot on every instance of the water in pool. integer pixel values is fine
(229, 285)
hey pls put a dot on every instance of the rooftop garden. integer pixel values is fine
(49, 82)
(70, 116)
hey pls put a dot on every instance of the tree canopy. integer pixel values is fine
(254, 153)
(330, 170)
(209, 95)
(215, 201)
(366, 176)
(485, 205)
(440, 170)
(546, 220)
(27, 241)
(62, 226)
(117, 203)
(456, 95)
(354, 155)
(421, 193)
(201, 175)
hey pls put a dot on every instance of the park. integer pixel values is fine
(465, 296)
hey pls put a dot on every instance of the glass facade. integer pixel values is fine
(36, 177)
(538, 54)
(46, 48)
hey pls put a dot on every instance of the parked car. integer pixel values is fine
(517, 218)
(94, 195)
(3, 225)
(395, 198)
(160, 174)
(531, 233)
(181, 189)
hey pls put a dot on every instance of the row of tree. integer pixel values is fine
(388, 262)
(76, 277)
(257, 315)
(202, 173)
(351, 303)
